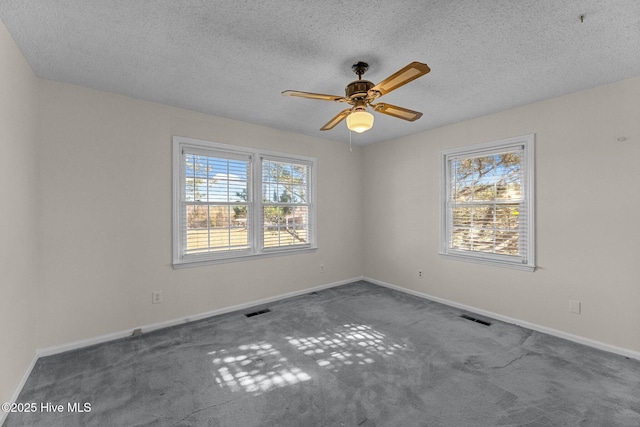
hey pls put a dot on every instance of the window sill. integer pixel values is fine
(199, 262)
(490, 262)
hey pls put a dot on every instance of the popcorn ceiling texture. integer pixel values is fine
(233, 58)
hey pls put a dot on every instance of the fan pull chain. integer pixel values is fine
(350, 149)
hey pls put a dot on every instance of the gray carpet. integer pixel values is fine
(355, 355)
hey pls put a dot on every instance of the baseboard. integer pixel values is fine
(49, 351)
(16, 393)
(554, 332)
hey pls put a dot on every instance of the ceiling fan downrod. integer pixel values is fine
(360, 68)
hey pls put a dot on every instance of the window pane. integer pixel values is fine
(217, 228)
(196, 217)
(281, 194)
(200, 167)
(482, 217)
(486, 228)
(190, 189)
(284, 182)
(484, 189)
(463, 191)
(483, 166)
(464, 170)
(461, 238)
(462, 216)
(507, 217)
(197, 228)
(285, 226)
(507, 243)
(510, 186)
(300, 194)
(212, 179)
(482, 240)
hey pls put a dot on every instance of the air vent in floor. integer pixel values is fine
(473, 319)
(255, 313)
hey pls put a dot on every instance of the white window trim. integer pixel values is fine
(256, 251)
(527, 264)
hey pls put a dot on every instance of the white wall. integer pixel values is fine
(581, 170)
(18, 215)
(105, 196)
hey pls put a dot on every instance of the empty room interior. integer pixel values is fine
(289, 213)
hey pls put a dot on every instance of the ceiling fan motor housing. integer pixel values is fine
(358, 89)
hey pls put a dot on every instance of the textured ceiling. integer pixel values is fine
(233, 58)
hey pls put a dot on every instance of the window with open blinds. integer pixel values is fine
(488, 203)
(216, 209)
(232, 202)
(286, 203)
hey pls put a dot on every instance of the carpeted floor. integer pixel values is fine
(355, 355)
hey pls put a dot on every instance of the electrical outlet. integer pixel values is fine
(156, 297)
(420, 275)
(574, 307)
(321, 268)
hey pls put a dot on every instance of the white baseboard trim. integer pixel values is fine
(554, 332)
(49, 351)
(16, 393)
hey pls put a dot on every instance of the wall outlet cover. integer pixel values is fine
(574, 307)
(156, 297)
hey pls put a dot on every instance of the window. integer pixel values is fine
(234, 202)
(285, 206)
(488, 203)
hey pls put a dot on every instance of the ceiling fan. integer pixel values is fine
(361, 93)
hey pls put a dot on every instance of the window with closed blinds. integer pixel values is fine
(285, 203)
(488, 203)
(233, 202)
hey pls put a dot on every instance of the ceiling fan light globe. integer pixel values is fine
(360, 121)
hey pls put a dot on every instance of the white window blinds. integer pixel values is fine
(216, 206)
(285, 203)
(234, 202)
(488, 208)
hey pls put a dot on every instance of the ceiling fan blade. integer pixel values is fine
(399, 112)
(337, 119)
(314, 95)
(401, 77)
